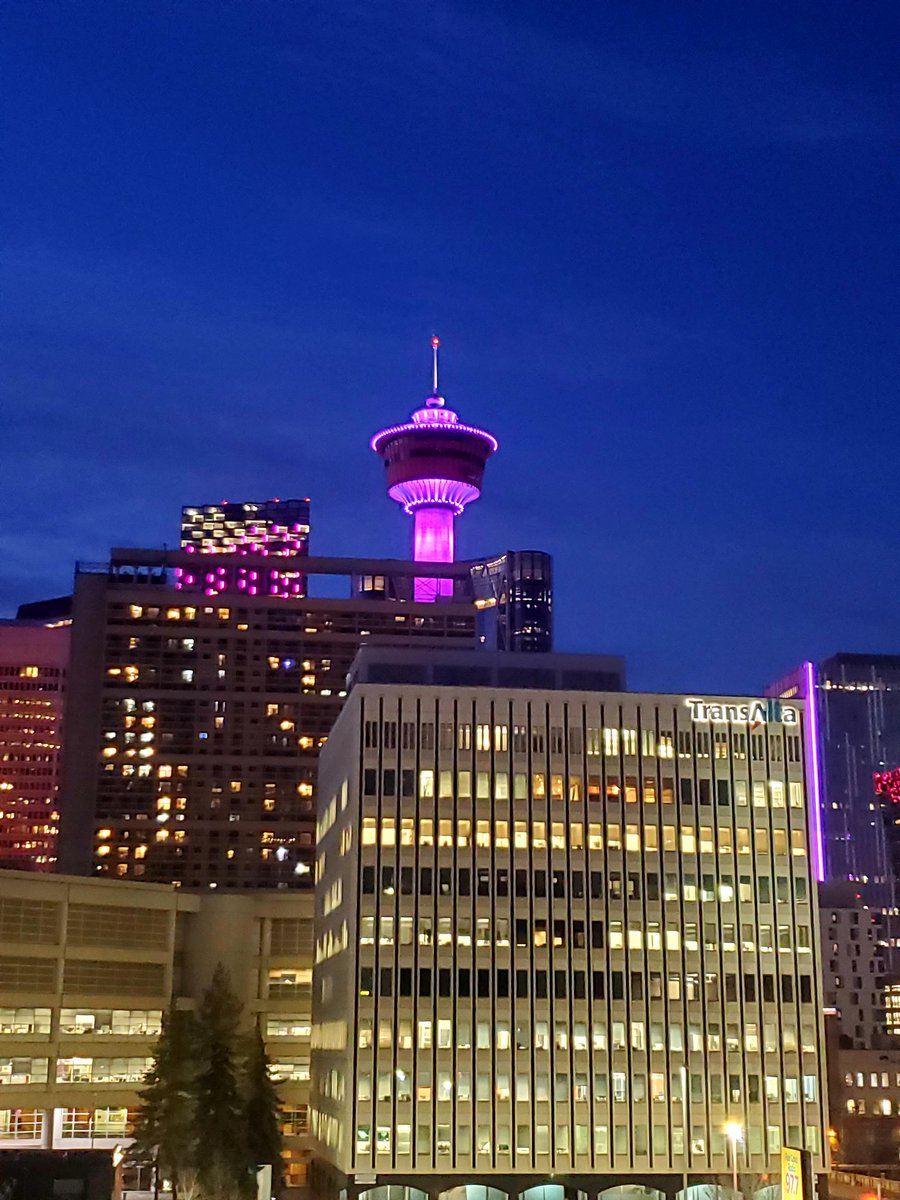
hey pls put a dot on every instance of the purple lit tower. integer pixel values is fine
(434, 466)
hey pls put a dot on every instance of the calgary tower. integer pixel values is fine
(434, 467)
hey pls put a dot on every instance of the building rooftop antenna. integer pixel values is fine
(435, 342)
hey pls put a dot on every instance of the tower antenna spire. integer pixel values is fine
(435, 342)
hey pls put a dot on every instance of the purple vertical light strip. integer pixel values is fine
(814, 763)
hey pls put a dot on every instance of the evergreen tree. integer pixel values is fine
(164, 1127)
(262, 1107)
(222, 1156)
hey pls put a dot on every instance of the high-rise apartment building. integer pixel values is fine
(853, 962)
(561, 935)
(195, 722)
(262, 528)
(33, 662)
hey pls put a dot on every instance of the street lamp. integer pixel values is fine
(735, 1134)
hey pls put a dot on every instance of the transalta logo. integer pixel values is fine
(754, 713)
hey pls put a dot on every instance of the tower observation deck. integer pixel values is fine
(434, 466)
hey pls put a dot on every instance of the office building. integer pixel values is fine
(195, 722)
(561, 935)
(265, 528)
(33, 662)
(88, 968)
(434, 467)
(514, 598)
(854, 708)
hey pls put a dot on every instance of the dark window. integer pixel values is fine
(578, 939)
(503, 882)
(769, 988)
(370, 782)
(368, 881)
(521, 933)
(445, 881)
(687, 791)
(366, 981)
(637, 985)
(406, 881)
(387, 880)
(540, 883)
(597, 935)
(540, 985)
(806, 989)
(465, 981)
(653, 886)
(559, 885)
(787, 989)
(597, 985)
(484, 881)
(579, 985)
(559, 985)
(385, 982)
(723, 791)
(425, 881)
(618, 985)
(465, 881)
(389, 782)
(405, 981)
(731, 987)
(521, 883)
(750, 988)
(444, 987)
(503, 983)
(408, 783)
(765, 889)
(483, 978)
(578, 884)
(596, 885)
(704, 791)
(522, 984)
(424, 981)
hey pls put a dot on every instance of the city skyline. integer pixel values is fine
(660, 255)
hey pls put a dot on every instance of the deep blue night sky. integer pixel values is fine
(659, 243)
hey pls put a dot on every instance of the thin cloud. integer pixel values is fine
(508, 72)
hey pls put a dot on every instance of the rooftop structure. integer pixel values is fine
(267, 528)
(442, 665)
(434, 466)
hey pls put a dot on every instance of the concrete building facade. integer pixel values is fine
(562, 935)
(87, 968)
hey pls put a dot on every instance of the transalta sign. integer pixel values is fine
(753, 713)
